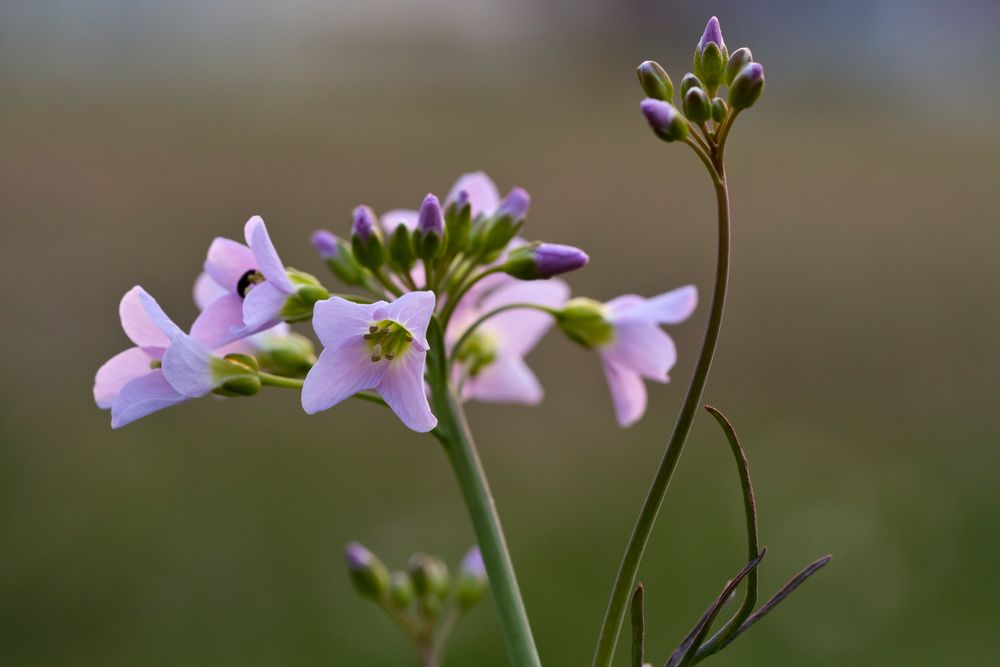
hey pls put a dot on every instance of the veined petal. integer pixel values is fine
(262, 308)
(267, 257)
(144, 321)
(214, 327)
(413, 311)
(628, 393)
(340, 373)
(484, 198)
(227, 262)
(187, 366)
(338, 320)
(143, 395)
(118, 371)
(402, 387)
(644, 348)
(669, 308)
(396, 217)
(206, 290)
(506, 380)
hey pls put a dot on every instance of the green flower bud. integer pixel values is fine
(584, 322)
(741, 58)
(430, 576)
(688, 82)
(746, 87)
(457, 224)
(664, 119)
(239, 373)
(366, 238)
(711, 66)
(655, 81)
(401, 592)
(369, 576)
(471, 584)
(719, 109)
(696, 105)
(401, 252)
(291, 354)
(338, 257)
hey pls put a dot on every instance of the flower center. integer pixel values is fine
(387, 340)
(248, 280)
(478, 352)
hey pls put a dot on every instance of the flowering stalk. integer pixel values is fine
(454, 434)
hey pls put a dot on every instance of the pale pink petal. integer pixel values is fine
(392, 219)
(518, 331)
(506, 380)
(338, 320)
(227, 262)
(206, 290)
(144, 395)
(642, 347)
(340, 373)
(267, 257)
(118, 371)
(214, 327)
(402, 387)
(670, 308)
(413, 311)
(144, 321)
(262, 308)
(628, 393)
(187, 367)
(482, 192)
(623, 303)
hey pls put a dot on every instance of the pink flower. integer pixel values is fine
(638, 348)
(244, 287)
(165, 367)
(379, 346)
(492, 359)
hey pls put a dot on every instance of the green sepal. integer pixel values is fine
(583, 321)
(469, 590)
(401, 591)
(690, 81)
(430, 577)
(745, 90)
(457, 225)
(697, 106)
(719, 110)
(655, 81)
(345, 265)
(299, 306)
(740, 58)
(498, 234)
(237, 375)
(710, 65)
(290, 355)
(370, 255)
(401, 252)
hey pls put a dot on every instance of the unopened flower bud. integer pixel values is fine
(506, 223)
(366, 239)
(583, 321)
(688, 82)
(241, 385)
(241, 375)
(710, 55)
(430, 229)
(471, 583)
(369, 576)
(458, 222)
(746, 87)
(719, 109)
(741, 58)
(515, 204)
(401, 591)
(289, 354)
(339, 257)
(401, 252)
(697, 107)
(429, 575)
(537, 261)
(665, 120)
(655, 81)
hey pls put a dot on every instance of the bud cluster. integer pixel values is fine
(418, 596)
(702, 105)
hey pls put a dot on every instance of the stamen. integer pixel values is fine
(372, 329)
(248, 280)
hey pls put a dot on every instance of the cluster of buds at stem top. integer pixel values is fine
(422, 593)
(700, 101)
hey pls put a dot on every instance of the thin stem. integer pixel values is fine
(444, 632)
(453, 300)
(388, 284)
(625, 579)
(467, 334)
(453, 433)
(269, 380)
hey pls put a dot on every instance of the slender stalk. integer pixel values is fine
(493, 313)
(269, 380)
(453, 433)
(625, 579)
(462, 290)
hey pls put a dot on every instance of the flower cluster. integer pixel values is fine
(462, 266)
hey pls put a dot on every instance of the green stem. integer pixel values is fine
(493, 313)
(625, 579)
(453, 433)
(269, 380)
(453, 300)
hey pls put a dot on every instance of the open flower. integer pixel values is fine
(626, 333)
(491, 360)
(379, 346)
(245, 289)
(165, 367)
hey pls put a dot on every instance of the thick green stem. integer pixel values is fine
(453, 433)
(625, 580)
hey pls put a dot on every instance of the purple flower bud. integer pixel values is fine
(369, 575)
(664, 118)
(430, 220)
(471, 583)
(746, 87)
(712, 35)
(538, 261)
(357, 556)
(364, 226)
(461, 199)
(472, 563)
(515, 204)
(325, 244)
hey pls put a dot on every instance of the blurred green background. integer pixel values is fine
(859, 360)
